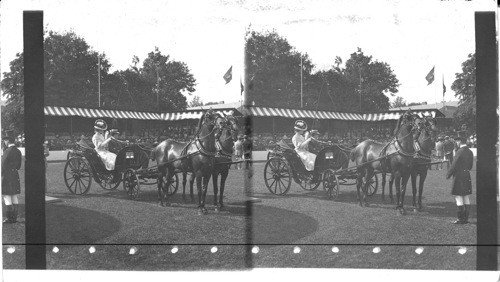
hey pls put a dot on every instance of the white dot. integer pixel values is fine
(419, 250)
(255, 250)
(55, 250)
(462, 250)
(213, 250)
(335, 250)
(174, 250)
(133, 250)
(11, 250)
(296, 250)
(92, 250)
(376, 250)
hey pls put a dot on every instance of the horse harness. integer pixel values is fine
(221, 152)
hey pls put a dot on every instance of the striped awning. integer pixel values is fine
(254, 111)
(194, 114)
(295, 113)
(99, 113)
(397, 115)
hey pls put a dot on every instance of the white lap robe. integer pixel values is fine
(107, 157)
(307, 157)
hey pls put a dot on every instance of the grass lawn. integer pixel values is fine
(113, 224)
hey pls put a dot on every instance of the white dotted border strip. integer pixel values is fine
(255, 250)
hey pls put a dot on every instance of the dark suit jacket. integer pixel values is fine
(11, 163)
(462, 163)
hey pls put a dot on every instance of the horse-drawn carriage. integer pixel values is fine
(283, 164)
(131, 169)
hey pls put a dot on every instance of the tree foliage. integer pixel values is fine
(398, 102)
(71, 70)
(465, 90)
(274, 71)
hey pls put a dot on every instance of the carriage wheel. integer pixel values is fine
(372, 186)
(307, 185)
(131, 183)
(331, 184)
(77, 175)
(110, 182)
(174, 185)
(277, 176)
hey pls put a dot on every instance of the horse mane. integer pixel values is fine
(200, 122)
(398, 124)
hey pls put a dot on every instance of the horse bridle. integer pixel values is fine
(423, 126)
(396, 139)
(223, 152)
(199, 144)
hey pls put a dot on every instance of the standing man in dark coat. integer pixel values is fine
(11, 186)
(247, 153)
(461, 185)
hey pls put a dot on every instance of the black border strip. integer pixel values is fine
(487, 133)
(34, 120)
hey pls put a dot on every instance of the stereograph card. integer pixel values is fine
(246, 135)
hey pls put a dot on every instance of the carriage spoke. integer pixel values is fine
(71, 185)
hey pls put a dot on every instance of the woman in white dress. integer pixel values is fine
(301, 143)
(98, 139)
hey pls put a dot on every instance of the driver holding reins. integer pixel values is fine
(301, 142)
(99, 138)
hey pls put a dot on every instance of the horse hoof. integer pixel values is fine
(217, 209)
(200, 212)
(367, 204)
(402, 211)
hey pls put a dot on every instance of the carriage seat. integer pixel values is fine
(284, 145)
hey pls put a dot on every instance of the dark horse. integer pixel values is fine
(196, 156)
(424, 144)
(225, 137)
(395, 157)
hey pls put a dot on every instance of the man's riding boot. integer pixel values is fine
(8, 214)
(466, 213)
(14, 213)
(460, 215)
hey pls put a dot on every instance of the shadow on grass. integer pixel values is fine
(71, 225)
(279, 226)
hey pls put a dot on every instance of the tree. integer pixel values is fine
(71, 71)
(398, 102)
(13, 89)
(169, 80)
(465, 90)
(274, 70)
(373, 80)
(196, 102)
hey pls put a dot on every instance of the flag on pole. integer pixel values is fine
(242, 88)
(229, 75)
(430, 76)
(444, 87)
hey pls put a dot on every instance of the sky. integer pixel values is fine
(208, 35)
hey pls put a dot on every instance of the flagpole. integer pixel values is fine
(99, 77)
(301, 94)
